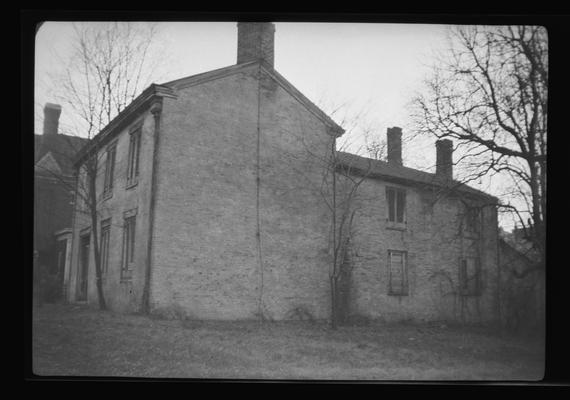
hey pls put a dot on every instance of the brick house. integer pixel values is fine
(207, 206)
(53, 194)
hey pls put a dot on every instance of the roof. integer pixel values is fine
(378, 169)
(62, 148)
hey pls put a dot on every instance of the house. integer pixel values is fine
(53, 194)
(209, 203)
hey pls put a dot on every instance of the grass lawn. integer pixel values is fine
(79, 341)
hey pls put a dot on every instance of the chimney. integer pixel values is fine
(394, 145)
(51, 118)
(255, 42)
(444, 158)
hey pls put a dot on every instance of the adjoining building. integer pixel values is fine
(54, 185)
(209, 203)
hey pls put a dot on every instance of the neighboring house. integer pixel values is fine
(53, 194)
(208, 205)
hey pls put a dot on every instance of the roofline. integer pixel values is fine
(133, 110)
(520, 253)
(459, 186)
(335, 129)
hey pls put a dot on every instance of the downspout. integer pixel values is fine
(260, 306)
(156, 111)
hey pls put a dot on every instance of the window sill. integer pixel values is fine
(132, 184)
(396, 226)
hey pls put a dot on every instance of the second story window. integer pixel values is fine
(109, 171)
(133, 158)
(470, 277)
(396, 200)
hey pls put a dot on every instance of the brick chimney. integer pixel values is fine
(51, 118)
(444, 159)
(394, 136)
(255, 42)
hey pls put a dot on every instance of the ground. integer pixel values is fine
(81, 341)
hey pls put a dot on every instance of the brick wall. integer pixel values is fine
(206, 256)
(434, 244)
(120, 295)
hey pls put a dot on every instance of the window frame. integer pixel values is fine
(399, 197)
(105, 240)
(109, 176)
(472, 221)
(128, 246)
(404, 289)
(133, 156)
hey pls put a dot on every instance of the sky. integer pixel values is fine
(372, 69)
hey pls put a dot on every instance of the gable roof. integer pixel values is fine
(62, 148)
(263, 66)
(47, 164)
(377, 169)
(169, 89)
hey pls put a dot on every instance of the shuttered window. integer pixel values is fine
(128, 262)
(133, 158)
(397, 273)
(109, 171)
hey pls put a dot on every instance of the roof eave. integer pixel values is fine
(133, 110)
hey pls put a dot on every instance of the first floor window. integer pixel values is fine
(105, 236)
(397, 273)
(128, 248)
(469, 276)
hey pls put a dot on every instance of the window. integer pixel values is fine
(396, 199)
(109, 171)
(469, 277)
(128, 247)
(133, 159)
(471, 220)
(105, 236)
(397, 273)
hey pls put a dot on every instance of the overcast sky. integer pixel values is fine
(371, 67)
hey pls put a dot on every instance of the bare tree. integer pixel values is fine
(109, 66)
(324, 174)
(490, 95)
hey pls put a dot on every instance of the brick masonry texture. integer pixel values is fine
(216, 139)
(206, 257)
(120, 295)
(434, 242)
